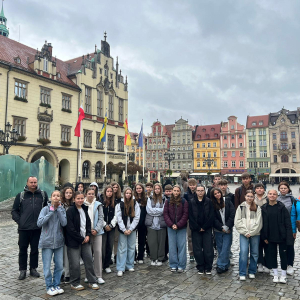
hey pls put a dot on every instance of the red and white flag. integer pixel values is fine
(80, 118)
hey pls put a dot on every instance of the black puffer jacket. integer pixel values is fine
(189, 195)
(26, 213)
(229, 216)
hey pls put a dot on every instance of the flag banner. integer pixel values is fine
(103, 130)
(77, 130)
(127, 140)
(141, 137)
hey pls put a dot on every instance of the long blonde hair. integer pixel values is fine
(129, 204)
(157, 198)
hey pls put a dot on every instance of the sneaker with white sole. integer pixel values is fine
(134, 262)
(282, 279)
(275, 279)
(140, 262)
(108, 270)
(52, 291)
(94, 286)
(266, 270)
(290, 270)
(59, 290)
(260, 268)
(131, 270)
(208, 272)
(252, 276)
(120, 273)
(242, 278)
(200, 272)
(180, 270)
(173, 270)
(158, 263)
(153, 263)
(100, 280)
(77, 287)
(86, 280)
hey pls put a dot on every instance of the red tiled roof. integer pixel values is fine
(207, 132)
(10, 49)
(256, 119)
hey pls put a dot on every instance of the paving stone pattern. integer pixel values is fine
(146, 282)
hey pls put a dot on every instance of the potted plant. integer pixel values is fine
(44, 141)
(21, 138)
(65, 143)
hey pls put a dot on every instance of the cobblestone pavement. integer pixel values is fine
(146, 282)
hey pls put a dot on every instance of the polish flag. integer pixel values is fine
(80, 118)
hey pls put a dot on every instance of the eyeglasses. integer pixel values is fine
(200, 191)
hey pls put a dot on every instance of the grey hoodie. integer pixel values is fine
(262, 201)
(286, 200)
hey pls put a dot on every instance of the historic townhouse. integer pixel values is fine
(40, 95)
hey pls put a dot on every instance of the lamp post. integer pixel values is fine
(8, 137)
(209, 162)
(169, 156)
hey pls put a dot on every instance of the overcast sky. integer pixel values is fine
(203, 60)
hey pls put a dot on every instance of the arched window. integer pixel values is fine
(86, 169)
(283, 135)
(98, 167)
(284, 158)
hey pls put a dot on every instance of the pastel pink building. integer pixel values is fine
(233, 147)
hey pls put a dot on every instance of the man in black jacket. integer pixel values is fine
(26, 209)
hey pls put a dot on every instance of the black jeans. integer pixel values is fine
(85, 252)
(26, 238)
(290, 254)
(108, 239)
(271, 255)
(203, 249)
(142, 233)
(262, 253)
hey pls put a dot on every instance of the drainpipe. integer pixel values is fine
(78, 179)
(7, 88)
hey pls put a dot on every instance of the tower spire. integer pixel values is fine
(3, 28)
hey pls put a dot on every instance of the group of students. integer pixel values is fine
(89, 225)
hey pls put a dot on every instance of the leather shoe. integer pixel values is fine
(34, 273)
(22, 275)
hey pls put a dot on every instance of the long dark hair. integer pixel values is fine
(64, 201)
(157, 198)
(216, 204)
(253, 206)
(175, 200)
(109, 201)
(129, 204)
(143, 195)
(118, 194)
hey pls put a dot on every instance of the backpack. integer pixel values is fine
(295, 204)
(22, 197)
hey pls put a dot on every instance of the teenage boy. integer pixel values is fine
(240, 192)
(149, 189)
(191, 194)
(223, 185)
(168, 193)
(217, 179)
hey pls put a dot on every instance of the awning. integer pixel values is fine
(198, 174)
(234, 175)
(284, 175)
(176, 174)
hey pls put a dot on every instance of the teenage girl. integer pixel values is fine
(128, 216)
(52, 219)
(156, 226)
(109, 224)
(95, 211)
(118, 196)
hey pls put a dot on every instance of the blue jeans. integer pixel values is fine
(177, 248)
(58, 258)
(126, 251)
(253, 242)
(223, 241)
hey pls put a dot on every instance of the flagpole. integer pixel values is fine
(126, 164)
(105, 149)
(143, 150)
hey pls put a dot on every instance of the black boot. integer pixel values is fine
(22, 275)
(34, 273)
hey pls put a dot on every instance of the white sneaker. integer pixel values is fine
(108, 270)
(135, 262)
(275, 279)
(131, 270)
(158, 263)
(78, 287)
(173, 270)
(260, 268)
(251, 276)
(120, 273)
(153, 263)
(59, 290)
(266, 270)
(242, 278)
(52, 291)
(94, 286)
(282, 279)
(180, 270)
(290, 270)
(140, 262)
(100, 280)
(86, 280)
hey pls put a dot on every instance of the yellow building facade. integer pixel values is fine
(40, 96)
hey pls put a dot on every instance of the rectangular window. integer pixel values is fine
(21, 89)
(293, 134)
(255, 164)
(121, 107)
(208, 154)
(233, 163)
(225, 145)
(250, 133)
(274, 136)
(111, 107)
(261, 153)
(215, 163)
(203, 154)
(214, 144)
(265, 153)
(87, 138)
(232, 137)
(293, 145)
(233, 154)
(99, 145)
(274, 146)
(225, 164)
(208, 145)
(215, 154)
(232, 145)
(111, 142)
(45, 96)
(241, 153)
(250, 164)
(44, 130)
(65, 133)
(45, 65)
(100, 105)
(225, 153)
(241, 145)
(66, 101)
(121, 143)
(88, 100)
(203, 145)
(198, 155)
(203, 164)
(250, 143)
(275, 158)
(198, 164)
(294, 158)
(225, 137)
(266, 164)
(20, 125)
(241, 164)
(261, 164)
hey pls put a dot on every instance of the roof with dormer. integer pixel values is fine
(257, 121)
(207, 132)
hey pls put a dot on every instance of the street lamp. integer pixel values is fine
(169, 156)
(209, 161)
(8, 137)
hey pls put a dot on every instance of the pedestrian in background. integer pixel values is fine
(52, 219)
